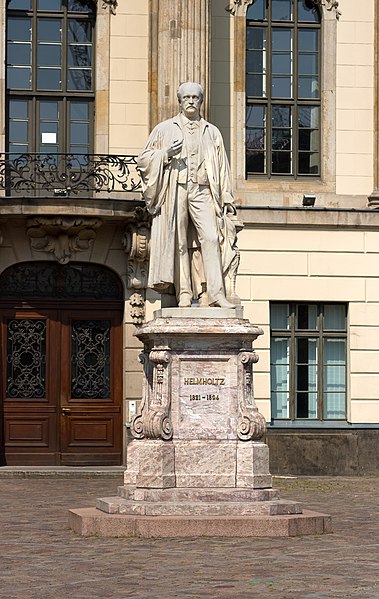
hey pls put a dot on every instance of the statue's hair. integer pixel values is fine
(179, 93)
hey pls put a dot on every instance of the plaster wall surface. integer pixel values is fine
(316, 266)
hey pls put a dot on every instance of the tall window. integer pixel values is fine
(283, 89)
(50, 76)
(308, 361)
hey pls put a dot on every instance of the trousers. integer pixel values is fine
(195, 203)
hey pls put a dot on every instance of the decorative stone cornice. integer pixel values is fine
(62, 236)
(239, 7)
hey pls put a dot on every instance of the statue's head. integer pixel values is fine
(190, 97)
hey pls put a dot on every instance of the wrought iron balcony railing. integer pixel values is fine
(66, 175)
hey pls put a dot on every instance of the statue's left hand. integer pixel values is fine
(230, 208)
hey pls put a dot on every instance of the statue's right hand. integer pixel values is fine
(175, 148)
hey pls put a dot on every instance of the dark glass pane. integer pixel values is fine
(78, 149)
(49, 127)
(255, 139)
(81, 6)
(335, 355)
(90, 359)
(18, 53)
(79, 56)
(281, 40)
(257, 11)
(19, 78)
(254, 62)
(256, 38)
(281, 64)
(309, 116)
(279, 316)
(308, 87)
(51, 5)
(334, 405)
(302, 410)
(79, 31)
(19, 4)
(79, 133)
(48, 149)
(281, 10)
(281, 116)
(255, 162)
(306, 318)
(308, 40)
(17, 149)
(18, 131)
(281, 87)
(308, 64)
(309, 140)
(334, 317)
(281, 139)
(49, 30)
(79, 79)
(309, 163)
(49, 55)
(255, 116)
(49, 110)
(18, 109)
(18, 29)
(26, 359)
(79, 111)
(281, 162)
(307, 12)
(49, 78)
(254, 85)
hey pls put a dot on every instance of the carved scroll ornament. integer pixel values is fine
(62, 236)
(251, 424)
(111, 4)
(136, 242)
(153, 420)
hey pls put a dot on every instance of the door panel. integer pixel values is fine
(91, 388)
(30, 386)
(61, 387)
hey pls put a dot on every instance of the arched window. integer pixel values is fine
(283, 89)
(50, 76)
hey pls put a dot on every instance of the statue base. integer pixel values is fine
(198, 464)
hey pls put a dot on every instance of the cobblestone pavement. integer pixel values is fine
(42, 559)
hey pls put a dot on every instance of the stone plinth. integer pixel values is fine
(198, 464)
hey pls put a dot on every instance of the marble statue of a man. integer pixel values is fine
(186, 185)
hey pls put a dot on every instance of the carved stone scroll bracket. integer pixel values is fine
(63, 236)
(111, 4)
(330, 5)
(136, 242)
(239, 7)
(154, 419)
(251, 424)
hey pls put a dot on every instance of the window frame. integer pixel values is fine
(34, 96)
(294, 102)
(320, 333)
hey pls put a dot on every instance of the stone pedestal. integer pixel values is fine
(198, 455)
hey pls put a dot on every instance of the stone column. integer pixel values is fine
(182, 29)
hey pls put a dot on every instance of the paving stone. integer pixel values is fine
(41, 558)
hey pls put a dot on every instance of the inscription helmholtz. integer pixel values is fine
(204, 381)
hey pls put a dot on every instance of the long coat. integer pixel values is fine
(159, 185)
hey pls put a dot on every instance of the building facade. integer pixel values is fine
(293, 87)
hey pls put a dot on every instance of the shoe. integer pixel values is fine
(222, 302)
(185, 301)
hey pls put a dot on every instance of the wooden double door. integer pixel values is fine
(61, 385)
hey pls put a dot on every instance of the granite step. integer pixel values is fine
(197, 494)
(118, 505)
